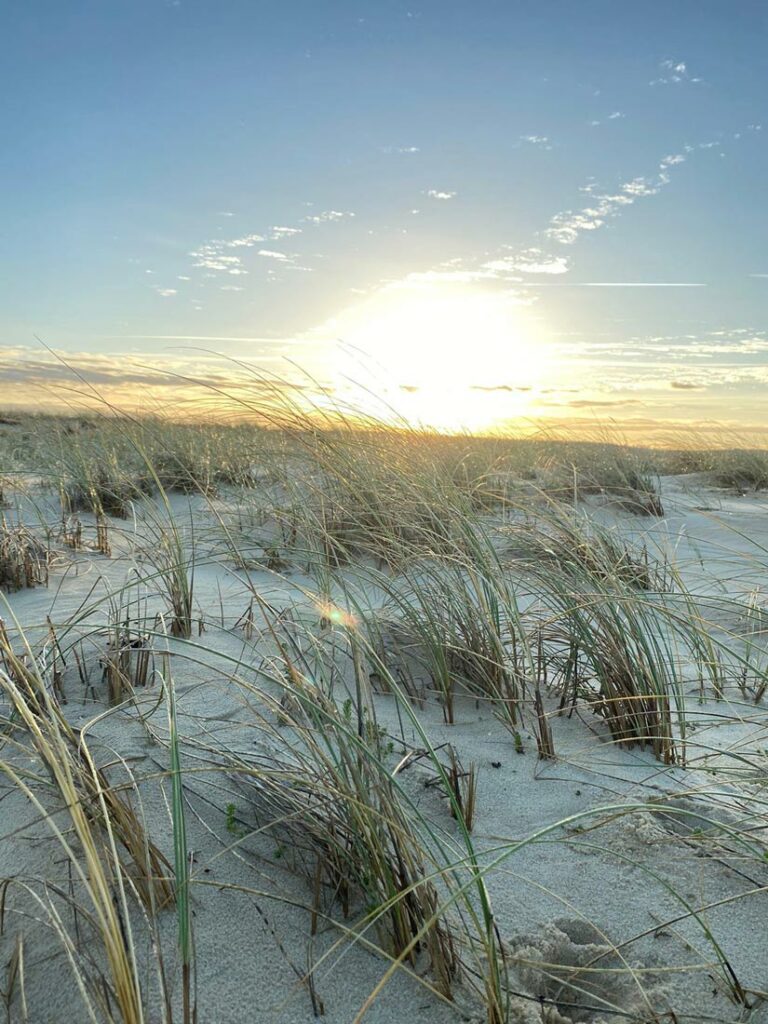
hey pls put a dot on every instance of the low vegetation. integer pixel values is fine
(287, 668)
(24, 558)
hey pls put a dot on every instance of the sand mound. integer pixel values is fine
(579, 977)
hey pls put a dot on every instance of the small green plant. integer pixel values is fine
(232, 825)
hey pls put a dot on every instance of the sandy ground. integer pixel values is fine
(559, 900)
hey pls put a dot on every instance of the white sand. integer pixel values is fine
(556, 900)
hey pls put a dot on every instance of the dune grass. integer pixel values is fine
(101, 838)
(24, 557)
(422, 583)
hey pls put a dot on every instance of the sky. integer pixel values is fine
(475, 214)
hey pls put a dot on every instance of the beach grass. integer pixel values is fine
(335, 618)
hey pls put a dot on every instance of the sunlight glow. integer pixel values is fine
(333, 615)
(448, 356)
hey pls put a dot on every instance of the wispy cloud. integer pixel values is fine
(400, 149)
(283, 232)
(566, 227)
(442, 276)
(617, 284)
(244, 339)
(245, 242)
(327, 216)
(674, 72)
(597, 403)
(671, 161)
(542, 141)
(128, 379)
(166, 293)
(522, 266)
(434, 193)
(733, 346)
(615, 115)
(217, 256)
(529, 261)
(211, 257)
(272, 254)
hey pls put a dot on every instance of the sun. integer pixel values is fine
(446, 356)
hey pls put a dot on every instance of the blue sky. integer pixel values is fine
(243, 170)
